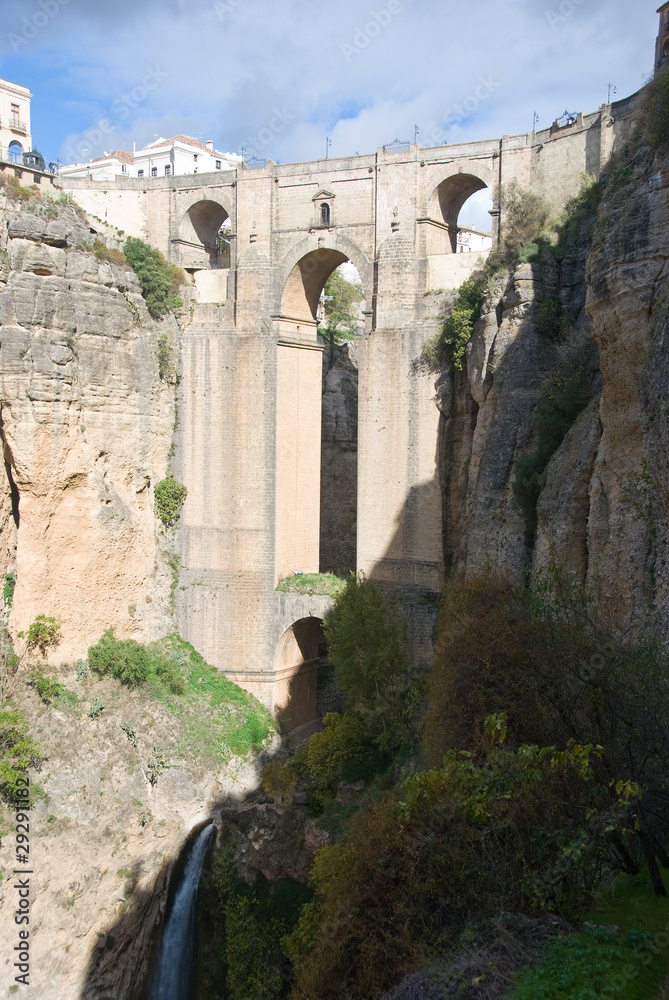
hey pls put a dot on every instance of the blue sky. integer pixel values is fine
(279, 76)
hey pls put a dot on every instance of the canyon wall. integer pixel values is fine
(86, 425)
(602, 505)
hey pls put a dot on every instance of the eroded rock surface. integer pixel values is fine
(602, 509)
(86, 427)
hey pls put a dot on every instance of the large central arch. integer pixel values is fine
(299, 401)
(302, 275)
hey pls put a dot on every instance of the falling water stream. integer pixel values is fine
(174, 976)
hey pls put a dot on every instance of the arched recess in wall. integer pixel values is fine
(317, 419)
(204, 236)
(296, 673)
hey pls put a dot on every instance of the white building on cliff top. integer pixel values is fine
(177, 156)
(15, 137)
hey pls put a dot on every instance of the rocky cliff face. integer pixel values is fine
(86, 427)
(603, 499)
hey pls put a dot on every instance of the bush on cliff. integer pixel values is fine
(366, 637)
(159, 280)
(170, 498)
(18, 752)
(492, 829)
(124, 659)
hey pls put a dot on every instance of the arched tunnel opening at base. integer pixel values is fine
(317, 387)
(302, 650)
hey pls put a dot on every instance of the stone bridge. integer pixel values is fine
(248, 444)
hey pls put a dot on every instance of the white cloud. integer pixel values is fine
(230, 68)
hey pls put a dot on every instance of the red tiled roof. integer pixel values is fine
(187, 139)
(119, 154)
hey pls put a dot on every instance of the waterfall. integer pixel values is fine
(174, 976)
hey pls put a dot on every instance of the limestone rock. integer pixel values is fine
(86, 428)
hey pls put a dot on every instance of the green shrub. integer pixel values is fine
(130, 732)
(166, 367)
(459, 326)
(96, 707)
(242, 926)
(18, 752)
(366, 637)
(43, 634)
(48, 688)
(109, 254)
(8, 590)
(490, 830)
(450, 344)
(552, 321)
(170, 497)
(343, 750)
(170, 675)
(159, 280)
(541, 656)
(124, 659)
(278, 780)
(341, 317)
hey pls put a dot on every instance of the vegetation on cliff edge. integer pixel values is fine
(159, 280)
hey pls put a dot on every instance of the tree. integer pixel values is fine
(341, 297)
(366, 645)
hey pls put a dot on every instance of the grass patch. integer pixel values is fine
(623, 951)
(313, 583)
(218, 719)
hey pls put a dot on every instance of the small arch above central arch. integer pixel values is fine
(201, 243)
(448, 199)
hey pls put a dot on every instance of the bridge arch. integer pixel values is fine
(302, 275)
(296, 672)
(198, 240)
(456, 186)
